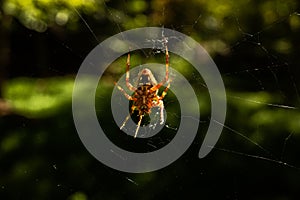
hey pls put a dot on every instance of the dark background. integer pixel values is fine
(255, 45)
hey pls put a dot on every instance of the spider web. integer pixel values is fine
(269, 84)
(267, 76)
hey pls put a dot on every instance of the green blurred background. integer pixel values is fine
(255, 45)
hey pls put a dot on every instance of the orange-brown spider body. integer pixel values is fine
(145, 95)
(145, 99)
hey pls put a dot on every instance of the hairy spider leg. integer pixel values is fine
(138, 126)
(128, 84)
(164, 92)
(132, 110)
(123, 91)
(139, 123)
(160, 104)
(126, 119)
(167, 64)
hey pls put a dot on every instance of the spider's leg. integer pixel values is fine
(164, 92)
(167, 64)
(160, 104)
(123, 91)
(128, 84)
(126, 119)
(138, 126)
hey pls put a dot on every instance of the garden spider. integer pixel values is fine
(145, 95)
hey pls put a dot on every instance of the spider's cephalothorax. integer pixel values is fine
(145, 94)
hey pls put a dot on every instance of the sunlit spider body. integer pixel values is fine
(145, 95)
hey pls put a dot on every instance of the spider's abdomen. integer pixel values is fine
(145, 98)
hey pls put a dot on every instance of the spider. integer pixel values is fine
(145, 95)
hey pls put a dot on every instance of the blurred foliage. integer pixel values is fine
(255, 45)
(213, 20)
(38, 97)
(39, 14)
